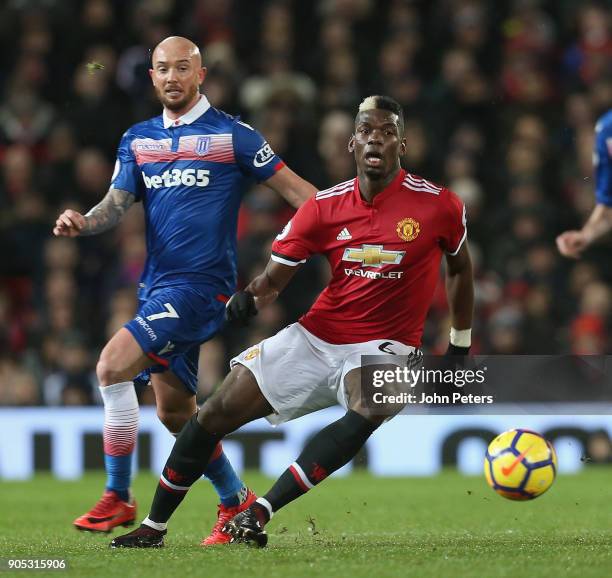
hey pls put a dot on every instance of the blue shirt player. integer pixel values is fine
(189, 167)
(573, 243)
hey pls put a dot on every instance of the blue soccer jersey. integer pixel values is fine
(190, 175)
(602, 159)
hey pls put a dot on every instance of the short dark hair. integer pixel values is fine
(384, 103)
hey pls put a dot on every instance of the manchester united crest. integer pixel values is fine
(251, 354)
(408, 229)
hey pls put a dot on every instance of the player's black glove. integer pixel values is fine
(456, 350)
(240, 308)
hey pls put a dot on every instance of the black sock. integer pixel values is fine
(329, 450)
(186, 464)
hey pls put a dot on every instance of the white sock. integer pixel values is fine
(267, 505)
(160, 526)
(120, 418)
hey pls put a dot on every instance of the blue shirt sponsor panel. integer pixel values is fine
(190, 175)
(602, 158)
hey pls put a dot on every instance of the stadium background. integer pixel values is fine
(500, 101)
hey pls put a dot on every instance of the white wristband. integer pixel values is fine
(461, 337)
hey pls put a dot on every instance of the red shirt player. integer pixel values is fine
(384, 234)
(384, 256)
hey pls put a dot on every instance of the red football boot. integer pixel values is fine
(224, 515)
(110, 511)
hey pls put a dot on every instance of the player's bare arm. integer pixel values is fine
(267, 286)
(460, 294)
(108, 212)
(293, 188)
(573, 243)
(104, 216)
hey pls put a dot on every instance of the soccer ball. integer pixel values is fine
(520, 464)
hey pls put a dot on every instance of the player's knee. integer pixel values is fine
(172, 420)
(107, 374)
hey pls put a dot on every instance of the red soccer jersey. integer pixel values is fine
(385, 256)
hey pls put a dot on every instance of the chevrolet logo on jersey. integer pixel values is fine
(373, 256)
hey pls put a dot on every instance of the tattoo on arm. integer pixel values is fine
(108, 212)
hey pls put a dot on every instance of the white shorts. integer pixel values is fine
(299, 373)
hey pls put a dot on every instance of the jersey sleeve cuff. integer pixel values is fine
(277, 167)
(453, 253)
(283, 259)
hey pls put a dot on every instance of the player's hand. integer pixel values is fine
(240, 308)
(69, 224)
(571, 244)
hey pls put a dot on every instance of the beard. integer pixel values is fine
(176, 104)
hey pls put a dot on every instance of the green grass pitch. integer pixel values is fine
(448, 526)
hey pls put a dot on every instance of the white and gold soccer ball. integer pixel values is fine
(520, 464)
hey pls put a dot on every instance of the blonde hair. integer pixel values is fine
(378, 101)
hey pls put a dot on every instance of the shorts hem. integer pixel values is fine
(138, 339)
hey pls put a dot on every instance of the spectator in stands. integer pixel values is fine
(500, 101)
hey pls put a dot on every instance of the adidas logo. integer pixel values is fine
(344, 235)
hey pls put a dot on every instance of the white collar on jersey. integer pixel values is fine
(196, 112)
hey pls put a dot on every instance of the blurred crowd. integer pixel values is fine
(500, 100)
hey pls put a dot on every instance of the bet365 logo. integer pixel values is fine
(178, 177)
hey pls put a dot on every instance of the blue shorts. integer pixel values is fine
(170, 326)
